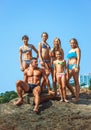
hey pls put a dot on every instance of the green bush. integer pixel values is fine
(7, 96)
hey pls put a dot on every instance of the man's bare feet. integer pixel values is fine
(18, 102)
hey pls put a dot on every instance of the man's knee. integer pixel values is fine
(18, 83)
(37, 92)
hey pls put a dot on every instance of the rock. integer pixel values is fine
(29, 99)
(54, 115)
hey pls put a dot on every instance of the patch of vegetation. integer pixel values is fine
(7, 96)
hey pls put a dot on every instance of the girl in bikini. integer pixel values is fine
(74, 56)
(56, 47)
(59, 74)
(44, 57)
(26, 53)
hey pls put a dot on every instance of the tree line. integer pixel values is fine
(7, 96)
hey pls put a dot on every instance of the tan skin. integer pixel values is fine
(57, 47)
(32, 75)
(27, 55)
(59, 68)
(75, 71)
(44, 55)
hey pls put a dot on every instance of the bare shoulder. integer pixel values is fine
(31, 45)
(77, 49)
(39, 45)
(54, 62)
(25, 71)
(64, 60)
(21, 47)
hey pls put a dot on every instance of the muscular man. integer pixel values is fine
(31, 83)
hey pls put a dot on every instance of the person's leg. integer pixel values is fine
(36, 93)
(21, 87)
(54, 82)
(25, 65)
(68, 84)
(63, 82)
(49, 89)
(76, 80)
(55, 88)
(43, 84)
(60, 87)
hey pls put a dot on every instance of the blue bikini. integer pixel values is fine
(44, 45)
(28, 61)
(71, 66)
(70, 56)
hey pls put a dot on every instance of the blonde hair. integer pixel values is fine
(75, 41)
(59, 41)
(59, 49)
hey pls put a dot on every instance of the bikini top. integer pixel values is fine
(44, 45)
(29, 49)
(72, 55)
(60, 62)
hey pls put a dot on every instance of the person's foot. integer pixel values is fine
(65, 100)
(74, 99)
(36, 109)
(61, 100)
(51, 93)
(58, 94)
(18, 102)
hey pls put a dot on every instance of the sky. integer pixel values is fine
(64, 19)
